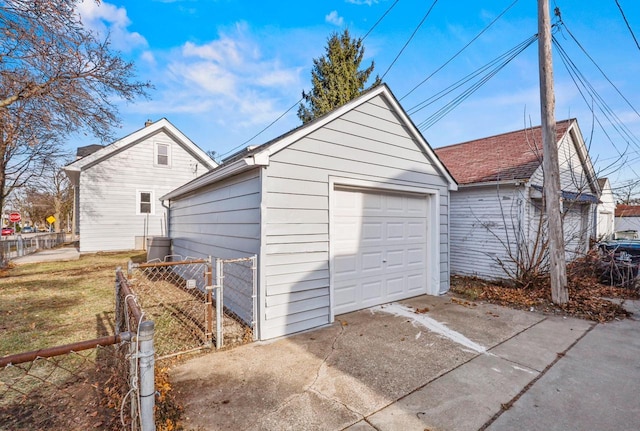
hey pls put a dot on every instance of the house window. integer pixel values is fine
(145, 202)
(163, 155)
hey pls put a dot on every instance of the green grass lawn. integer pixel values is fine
(49, 304)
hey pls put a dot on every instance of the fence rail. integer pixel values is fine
(81, 385)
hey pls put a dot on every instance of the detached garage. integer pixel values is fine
(345, 212)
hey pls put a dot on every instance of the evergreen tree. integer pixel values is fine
(335, 77)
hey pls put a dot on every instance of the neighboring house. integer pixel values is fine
(117, 186)
(606, 210)
(627, 218)
(495, 213)
(345, 212)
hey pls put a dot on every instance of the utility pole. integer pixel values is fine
(550, 165)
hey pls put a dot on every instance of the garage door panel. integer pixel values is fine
(415, 282)
(371, 232)
(379, 240)
(371, 203)
(346, 295)
(395, 204)
(345, 265)
(395, 259)
(416, 256)
(417, 207)
(395, 286)
(371, 261)
(345, 203)
(417, 230)
(395, 231)
(371, 291)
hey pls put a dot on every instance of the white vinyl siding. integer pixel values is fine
(573, 177)
(222, 220)
(368, 143)
(606, 211)
(109, 211)
(627, 223)
(579, 215)
(483, 224)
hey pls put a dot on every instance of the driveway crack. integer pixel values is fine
(309, 387)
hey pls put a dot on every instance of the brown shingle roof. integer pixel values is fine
(509, 156)
(627, 210)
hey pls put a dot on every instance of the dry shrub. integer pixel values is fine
(588, 298)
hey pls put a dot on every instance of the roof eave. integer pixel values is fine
(222, 172)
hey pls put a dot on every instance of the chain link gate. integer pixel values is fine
(196, 304)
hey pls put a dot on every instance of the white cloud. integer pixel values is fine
(225, 78)
(106, 18)
(361, 2)
(334, 18)
(148, 57)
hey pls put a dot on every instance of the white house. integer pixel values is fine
(627, 218)
(606, 210)
(495, 213)
(117, 186)
(345, 212)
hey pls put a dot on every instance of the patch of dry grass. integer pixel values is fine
(54, 303)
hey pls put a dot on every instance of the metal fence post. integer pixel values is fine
(209, 310)
(219, 304)
(147, 384)
(119, 305)
(133, 382)
(254, 293)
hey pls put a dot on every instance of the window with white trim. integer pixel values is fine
(144, 202)
(162, 155)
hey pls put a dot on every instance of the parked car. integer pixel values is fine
(7, 231)
(27, 229)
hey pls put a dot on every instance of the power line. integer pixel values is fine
(410, 38)
(414, 109)
(598, 67)
(583, 86)
(380, 19)
(300, 100)
(491, 69)
(461, 50)
(261, 131)
(628, 26)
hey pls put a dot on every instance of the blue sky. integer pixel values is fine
(224, 69)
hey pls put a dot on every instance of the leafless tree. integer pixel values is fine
(628, 193)
(56, 78)
(50, 194)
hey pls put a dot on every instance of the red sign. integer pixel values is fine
(14, 217)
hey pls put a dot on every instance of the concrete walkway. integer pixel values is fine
(594, 386)
(426, 363)
(69, 252)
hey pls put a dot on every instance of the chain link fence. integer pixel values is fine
(196, 304)
(105, 383)
(109, 383)
(68, 387)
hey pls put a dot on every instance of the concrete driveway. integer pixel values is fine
(436, 363)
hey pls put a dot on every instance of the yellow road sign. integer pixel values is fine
(51, 219)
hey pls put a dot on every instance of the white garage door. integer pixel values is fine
(379, 248)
